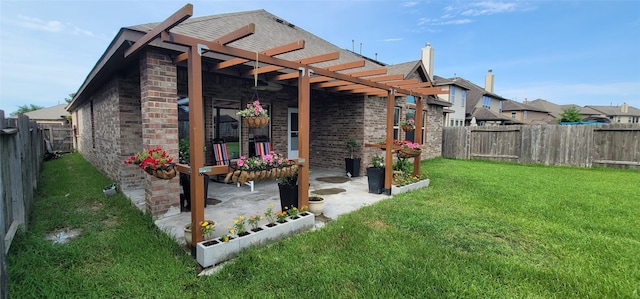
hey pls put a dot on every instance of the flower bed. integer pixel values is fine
(213, 252)
(395, 190)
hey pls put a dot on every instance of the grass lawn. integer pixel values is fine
(481, 229)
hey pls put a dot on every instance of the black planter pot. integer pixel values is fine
(375, 177)
(352, 166)
(185, 199)
(288, 196)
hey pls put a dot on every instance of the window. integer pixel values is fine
(513, 115)
(619, 118)
(396, 121)
(411, 113)
(452, 96)
(463, 98)
(93, 127)
(524, 114)
(411, 100)
(486, 102)
(451, 121)
(500, 108)
(424, 127)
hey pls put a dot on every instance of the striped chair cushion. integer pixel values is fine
(221, 153)
(263, 148)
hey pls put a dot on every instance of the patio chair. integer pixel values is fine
(221, 157)
(262, 148)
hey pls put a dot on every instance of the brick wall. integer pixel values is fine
(158, 99)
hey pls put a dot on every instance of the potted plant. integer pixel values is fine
(316, 204)
(288, 187)
(375, 175)
(352, 164)
(207, 227)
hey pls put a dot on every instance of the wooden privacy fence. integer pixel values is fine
(611, 145)
(21, 157)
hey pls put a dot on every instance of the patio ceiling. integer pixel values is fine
(216, 55)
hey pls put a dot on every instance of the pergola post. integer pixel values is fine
(418, 135)
(388, 158)
(196, 141)
(304, 99)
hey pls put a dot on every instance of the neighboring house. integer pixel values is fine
(624, 114)
(526, 114)
(457, 96)
(127, 104)
(482, 107)
(617, 114)
(56, 123)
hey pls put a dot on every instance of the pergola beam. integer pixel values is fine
(236, 34)
(332, 84)
(294, 46)
(367, 73)
(387, 78)
(172, 21)
(346, 66)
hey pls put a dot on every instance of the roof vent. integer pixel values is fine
(291, 25)
(279, 20)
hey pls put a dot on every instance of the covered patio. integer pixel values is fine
(300, 73)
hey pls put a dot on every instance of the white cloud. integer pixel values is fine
(489, 8)
(410, 4)
(79, 31)
(35, 23)
(392, 39)
(51, 26)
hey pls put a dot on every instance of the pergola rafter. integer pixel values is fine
(326, 78)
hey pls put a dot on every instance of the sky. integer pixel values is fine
(566, 52)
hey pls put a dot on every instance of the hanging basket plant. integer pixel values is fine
(267, 167)
(408, 125)
(255, 116)
(256, 121)
(155, 162)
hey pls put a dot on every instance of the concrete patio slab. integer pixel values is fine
(236, 201)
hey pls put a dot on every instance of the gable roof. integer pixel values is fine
(615, 110)
(484, 114)
(270, 32)
(56, 112)
(510, 105)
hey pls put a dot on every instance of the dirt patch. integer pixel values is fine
(334, 179)
(328, 191)
(377, 225)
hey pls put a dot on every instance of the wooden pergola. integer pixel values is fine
(377, 83)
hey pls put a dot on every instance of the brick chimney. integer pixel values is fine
(427, 59)
(624, 108)
(488, 82)
(526, 102)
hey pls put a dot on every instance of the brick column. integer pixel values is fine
(159, 95)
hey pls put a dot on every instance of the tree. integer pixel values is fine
(70, 98)
(26, 108)
(571, 114)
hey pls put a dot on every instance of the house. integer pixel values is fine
(481, 105)
(56, 124)
(132, 97)
(624, 113)
(526, 113)
(617, 114)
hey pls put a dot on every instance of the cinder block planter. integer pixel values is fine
(209, 255)
(406, 188)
